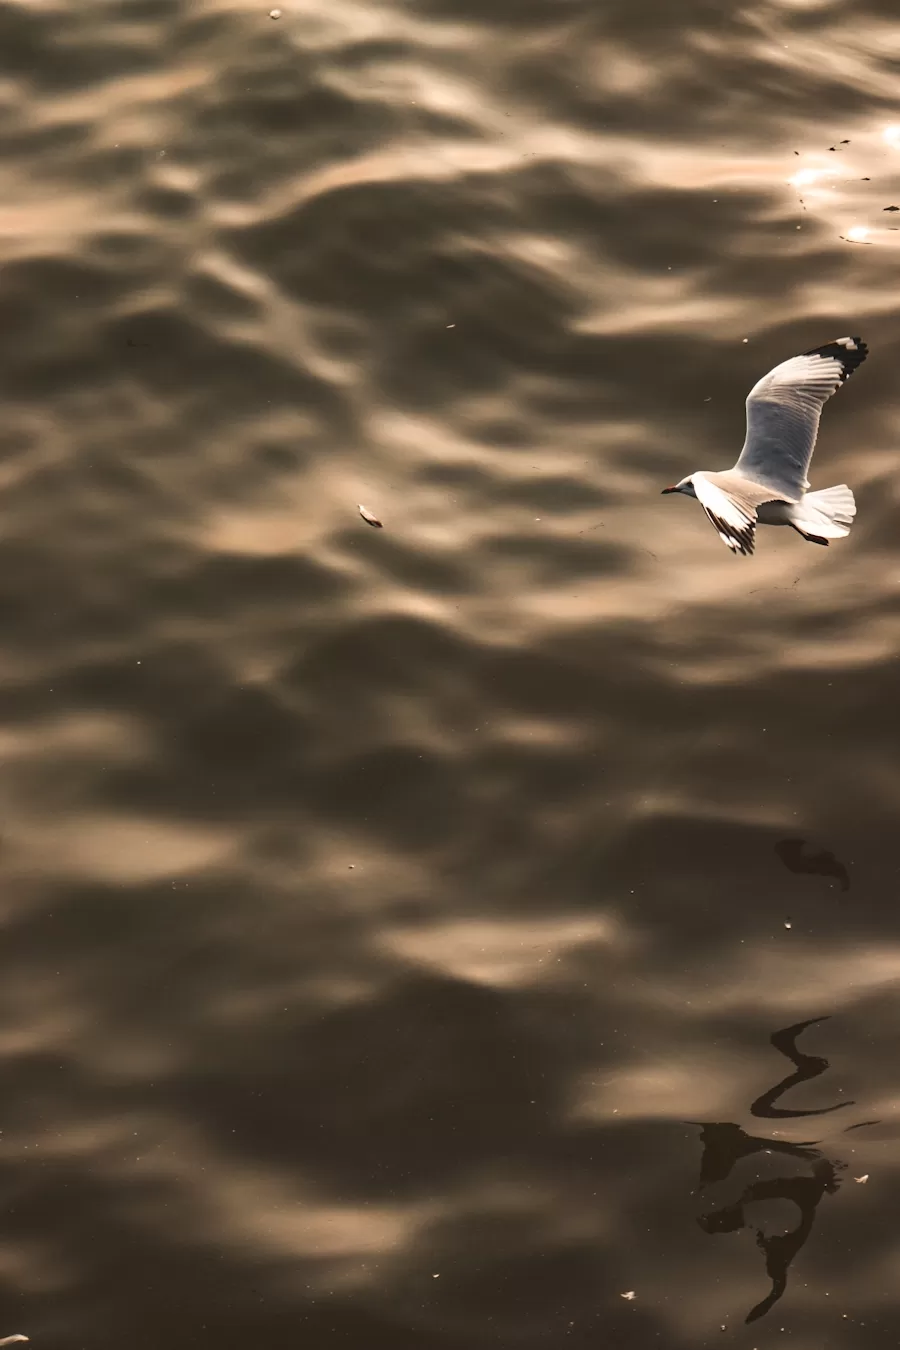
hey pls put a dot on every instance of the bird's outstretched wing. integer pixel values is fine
(734, 518)
(783, 411)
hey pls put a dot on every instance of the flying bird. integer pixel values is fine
(768, 484)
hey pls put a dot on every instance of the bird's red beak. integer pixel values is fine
(673, 488)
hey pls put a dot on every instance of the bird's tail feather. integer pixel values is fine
(825, 515)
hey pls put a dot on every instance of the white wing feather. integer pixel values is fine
(735, 524)
(783, 411)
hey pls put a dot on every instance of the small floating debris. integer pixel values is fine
(370, 519)
(629, 1295)
(892, 208)
(860, 1181)
(13, 1340)
(274, 13)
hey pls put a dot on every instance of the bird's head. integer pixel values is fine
(686, 486)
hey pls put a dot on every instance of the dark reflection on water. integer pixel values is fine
(379, 905)
(726, 1144)
(821, 864)
(779, 1249)
(807, 1067)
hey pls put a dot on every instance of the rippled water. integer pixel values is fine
(480, 930)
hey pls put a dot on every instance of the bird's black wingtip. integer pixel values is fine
(849, 351)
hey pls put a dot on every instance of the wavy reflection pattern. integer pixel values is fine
(724, 1145)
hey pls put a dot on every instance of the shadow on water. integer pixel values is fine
(807, 1068)
(726, 1144)
(821, 864)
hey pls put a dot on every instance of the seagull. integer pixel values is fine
(768, 484)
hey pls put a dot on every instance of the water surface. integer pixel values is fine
(423, 938)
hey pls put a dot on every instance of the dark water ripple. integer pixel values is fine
(426, 937)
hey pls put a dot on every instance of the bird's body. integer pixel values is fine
(768, 484)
